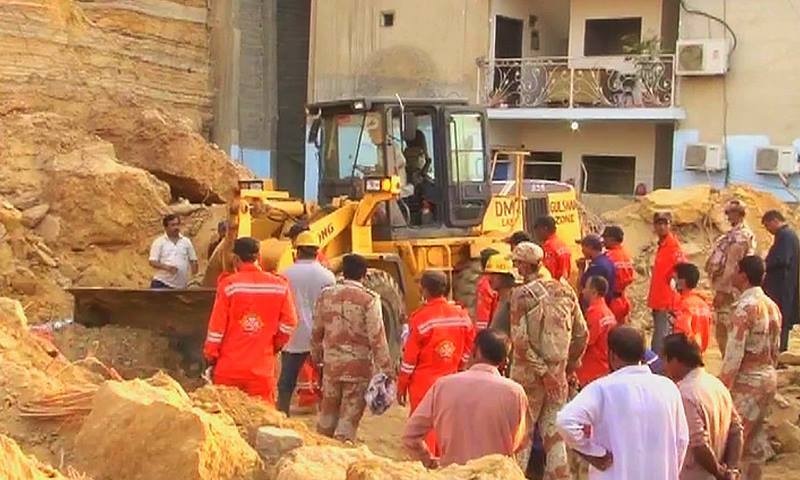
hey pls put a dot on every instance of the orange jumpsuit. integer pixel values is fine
(620, 304)
(439, 343)
(600, 320)
(485, 303)
(557, 258)
(693, 316)
(253, 317)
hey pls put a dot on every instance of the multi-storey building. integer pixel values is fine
(616, 96)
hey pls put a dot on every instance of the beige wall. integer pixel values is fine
(582, 10)
(430, 51)
(553, 24)
(762, 86)
(608, 138)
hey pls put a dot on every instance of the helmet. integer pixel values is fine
(498, 263)
(527, 252)
(306, 239)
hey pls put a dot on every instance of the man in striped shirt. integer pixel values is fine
(439, 343)
(252, 319)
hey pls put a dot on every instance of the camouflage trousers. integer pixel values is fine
(542, 413)
(723, 323)
(341, 408)
(752, 394)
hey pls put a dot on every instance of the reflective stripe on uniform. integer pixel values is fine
(482, 325)
(254, 288)
(214, 337)
(406, 368)
(287, 329)
(424, 327)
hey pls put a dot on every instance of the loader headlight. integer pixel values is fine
(383, 184)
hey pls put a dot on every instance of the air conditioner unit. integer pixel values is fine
(706, 56)
(776, 160)
(704, 156)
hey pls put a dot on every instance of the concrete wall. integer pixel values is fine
(756, 103)
(582, 10)
(637, 139)
(430, 51)
(243, 61)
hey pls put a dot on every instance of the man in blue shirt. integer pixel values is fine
(595, 263)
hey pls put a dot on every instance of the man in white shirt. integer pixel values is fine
(307, 277)
(630, 424)
(173, 256)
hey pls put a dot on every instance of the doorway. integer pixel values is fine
(507, 45)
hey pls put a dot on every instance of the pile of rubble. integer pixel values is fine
(698, 219)
(89, 426)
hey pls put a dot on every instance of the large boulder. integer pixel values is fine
(169, 147)
(101, 201)
(149, 430)
(15, 465)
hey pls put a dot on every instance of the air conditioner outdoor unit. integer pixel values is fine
(776, 160)
(704, 156)
(705, 56)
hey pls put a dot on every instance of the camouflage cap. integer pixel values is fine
(527, 252)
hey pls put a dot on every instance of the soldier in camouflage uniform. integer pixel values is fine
(549, 335)
(748, 368)
(721, 266)
(348, 339)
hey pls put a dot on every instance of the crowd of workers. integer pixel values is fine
(537, 370)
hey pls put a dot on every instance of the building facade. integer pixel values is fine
(606, 94)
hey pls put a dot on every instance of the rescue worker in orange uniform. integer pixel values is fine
(600, 320)
(693, 313)
(662, 296)
(253, 317)
(485, 296)
(625, 273)
(439, 343)
(557, 256)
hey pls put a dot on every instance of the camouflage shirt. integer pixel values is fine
(348, 335)
(754, 340)
(728, 250)
(548, 330)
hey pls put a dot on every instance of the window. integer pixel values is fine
(606, 174)
(387, 19)
(467, 162)
(347, 137)
(609, 36)
(543, 166)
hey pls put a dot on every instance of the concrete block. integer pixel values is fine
(272, 443)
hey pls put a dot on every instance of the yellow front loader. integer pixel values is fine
(408, 184)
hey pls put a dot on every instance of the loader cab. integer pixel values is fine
(436, 148)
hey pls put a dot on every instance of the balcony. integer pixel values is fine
(629, 87)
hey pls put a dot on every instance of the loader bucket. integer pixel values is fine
(173, 312)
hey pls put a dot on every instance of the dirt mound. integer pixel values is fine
(132, 352)
(335, 463)
(149, 430)
(31, 369)
(15, 465)
(250, 413)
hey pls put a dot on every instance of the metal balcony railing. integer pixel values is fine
(635, 81)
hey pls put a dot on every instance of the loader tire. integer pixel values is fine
(465, 281)
(393, 307)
